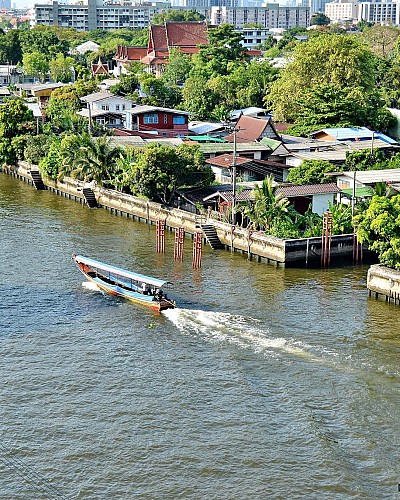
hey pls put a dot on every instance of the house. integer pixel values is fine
(42, 91)
(100, 69)
(106, 108)
(254, 150)
(157, 120)
(250, 129)
(317, 195)
(10, 74)
(250, 111)
(301, 197)
(247, 169)
(125, 56)
(186, 36)
(357, 183)
(205, 128)
(88, 46)
(350, 134)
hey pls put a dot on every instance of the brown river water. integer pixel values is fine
(263, 383)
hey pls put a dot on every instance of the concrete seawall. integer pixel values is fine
(255, 244)
(384, 281)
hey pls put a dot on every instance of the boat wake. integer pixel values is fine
(91, 286)
(244, 332)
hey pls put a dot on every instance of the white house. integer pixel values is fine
(106, 108)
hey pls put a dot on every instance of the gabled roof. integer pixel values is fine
(84, 47)
(201, 128)
(250, 111)
(186, 34)
(125, 53)
(226, 160)
(307, 189)
(249, 129)
(373, 176)
(101, 96)
(245, 195)
(138, 110)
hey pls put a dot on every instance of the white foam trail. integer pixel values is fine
(91, 286)
(238, 330)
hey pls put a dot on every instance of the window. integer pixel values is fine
(105, 107)
(117, 107)
(165, 119)
(179, 120)
(123, 107)
(150, 118)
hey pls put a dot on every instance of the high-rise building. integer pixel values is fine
(5, 4)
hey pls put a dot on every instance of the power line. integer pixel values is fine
(28, 474)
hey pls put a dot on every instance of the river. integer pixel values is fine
(263, 383)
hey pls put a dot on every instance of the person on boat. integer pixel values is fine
(145, 288)
(158, 295)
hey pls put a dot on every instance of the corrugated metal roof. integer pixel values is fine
(308, 189)
(228, 147)
(204, 127)
(355, 133)
(374, 176)
(137, 110)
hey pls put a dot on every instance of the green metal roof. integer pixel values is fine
(361, 192)
(205, 138)
(272, 143)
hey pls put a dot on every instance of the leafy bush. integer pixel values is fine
(379, 227)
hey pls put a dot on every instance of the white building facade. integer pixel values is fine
(386, 12)
(342, 10)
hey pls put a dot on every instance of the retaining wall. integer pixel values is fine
(255, 244)
(384, 281)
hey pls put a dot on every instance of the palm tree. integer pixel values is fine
(268, 205)
(88, 158)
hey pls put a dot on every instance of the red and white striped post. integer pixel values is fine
(197, 249)
(160, 236)
(179, 242)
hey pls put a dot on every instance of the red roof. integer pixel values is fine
(227, 161)
(249, 129)
(186, 34)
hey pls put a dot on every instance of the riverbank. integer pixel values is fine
(255, 245)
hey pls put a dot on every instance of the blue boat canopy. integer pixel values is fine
(121, 272)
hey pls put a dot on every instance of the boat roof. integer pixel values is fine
(121, 272)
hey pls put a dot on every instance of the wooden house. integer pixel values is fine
(156, 120)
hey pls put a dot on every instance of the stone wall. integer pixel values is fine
(255, 244)
(385, 281)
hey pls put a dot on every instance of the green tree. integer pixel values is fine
(35, 64)
(160, 170)
(379, 227)
(225, 46)
(381, 39)
(157, 92)
(340, 60)
(61, 68)
(37, 147)
(311, 172)
(15, 118)
(178, 67)
(198, 99)
(127, 85)
(50, 164)
(319, 19)
(42, 40)
(10, 48)
(365, 160)
(177, 16)
(269, 207)
(88, 158)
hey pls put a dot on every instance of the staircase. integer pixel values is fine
(212, 236)
(37, 179)
(90, 198)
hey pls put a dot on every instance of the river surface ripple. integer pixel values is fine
(263, 383)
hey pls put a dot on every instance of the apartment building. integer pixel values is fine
(386, 12)
(341, 10)
(91, 14)
(271, 15)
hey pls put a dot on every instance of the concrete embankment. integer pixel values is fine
(384, 282)
(255, 244)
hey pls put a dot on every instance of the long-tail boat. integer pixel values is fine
(132, 286)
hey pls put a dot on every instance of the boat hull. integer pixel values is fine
(118, 290)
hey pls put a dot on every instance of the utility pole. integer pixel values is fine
(234, 177)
